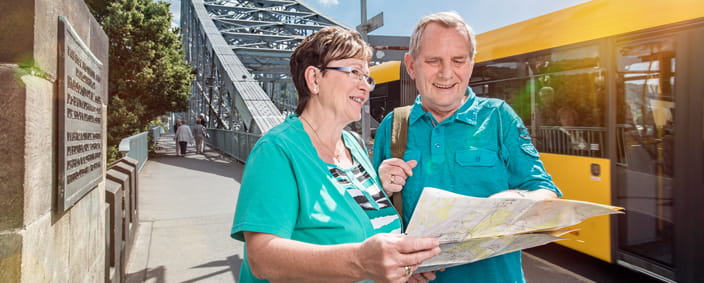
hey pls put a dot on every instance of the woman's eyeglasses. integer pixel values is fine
(355, 73)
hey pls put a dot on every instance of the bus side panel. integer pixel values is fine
(386, 72)
(585, 179)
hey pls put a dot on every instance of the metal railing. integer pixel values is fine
(234, 143)
(581, 141)
(155, 132)
(136, 147)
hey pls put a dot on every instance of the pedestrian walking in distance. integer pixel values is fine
(183, 137)
(199, 133)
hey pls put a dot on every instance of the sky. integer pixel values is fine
(482, 15)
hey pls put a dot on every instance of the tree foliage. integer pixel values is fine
(148, 75)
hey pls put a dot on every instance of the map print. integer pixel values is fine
(471, 229)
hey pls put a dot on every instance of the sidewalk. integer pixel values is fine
(186, 205)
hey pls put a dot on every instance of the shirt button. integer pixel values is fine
(437, 145)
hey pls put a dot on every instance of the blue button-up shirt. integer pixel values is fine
(480, 150)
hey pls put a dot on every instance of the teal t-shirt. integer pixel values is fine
(482, 149)
(288, 191)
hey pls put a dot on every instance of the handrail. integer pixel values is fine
(155, 132)
(136, 147)
(237, 144)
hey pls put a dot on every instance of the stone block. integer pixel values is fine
(12, 133)
(131, 161)
(46, 18)
(134, 163)
(131, 171)
(38, 141)
(10, 257)
(113, 196)
(87, 237)
(45, 253)
(29, 32)
(17, 31)
(124, 180)
(37, 244)
(108, 225)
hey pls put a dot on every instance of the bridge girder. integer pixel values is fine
(241, 51)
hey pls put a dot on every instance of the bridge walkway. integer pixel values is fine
(186, 208)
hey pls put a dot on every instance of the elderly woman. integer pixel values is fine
(310, 207)
(183, 137)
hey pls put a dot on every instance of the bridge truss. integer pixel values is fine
(241, 51)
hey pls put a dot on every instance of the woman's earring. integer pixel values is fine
(315, 89)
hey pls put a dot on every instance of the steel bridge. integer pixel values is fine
(241, 50)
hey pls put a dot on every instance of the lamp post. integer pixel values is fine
(366, 26)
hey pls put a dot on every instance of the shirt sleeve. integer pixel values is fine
(268, 197)
(520, 155)
(382, 140)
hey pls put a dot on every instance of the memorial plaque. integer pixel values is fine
(80, 118)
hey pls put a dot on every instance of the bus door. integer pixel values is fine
(645, 140)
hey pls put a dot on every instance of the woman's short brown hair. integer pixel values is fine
(318, 49)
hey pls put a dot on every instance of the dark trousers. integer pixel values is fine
(184, 146)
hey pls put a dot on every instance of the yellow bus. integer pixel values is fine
(613, 94)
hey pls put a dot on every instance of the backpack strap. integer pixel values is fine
(399, 138)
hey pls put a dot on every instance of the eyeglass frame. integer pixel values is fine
(360, 75)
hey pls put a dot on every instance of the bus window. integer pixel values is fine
(559, 94)
(646, 80)
(570, 102)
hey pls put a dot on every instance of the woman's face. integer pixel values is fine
(343, 92)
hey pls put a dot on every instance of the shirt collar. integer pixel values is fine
(467, 112)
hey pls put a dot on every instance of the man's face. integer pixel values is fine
(441, 69)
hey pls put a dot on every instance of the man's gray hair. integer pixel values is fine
(445, 19)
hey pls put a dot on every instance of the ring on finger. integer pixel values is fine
(407, 270)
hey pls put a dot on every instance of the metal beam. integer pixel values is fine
(240, 46)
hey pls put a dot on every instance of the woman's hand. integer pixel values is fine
(393, 173)
(381, 258)
(393, 258)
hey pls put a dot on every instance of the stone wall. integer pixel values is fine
(37, 242)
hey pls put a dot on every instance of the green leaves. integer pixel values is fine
(148, 74)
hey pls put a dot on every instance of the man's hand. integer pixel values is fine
(393, 174)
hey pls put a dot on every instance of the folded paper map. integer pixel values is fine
(471, 229)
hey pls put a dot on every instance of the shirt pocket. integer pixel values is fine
(477, 172)
(476, 157)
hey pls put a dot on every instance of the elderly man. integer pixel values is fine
(459, 142)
